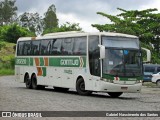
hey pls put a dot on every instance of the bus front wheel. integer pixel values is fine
(115, 94)
(80, 87)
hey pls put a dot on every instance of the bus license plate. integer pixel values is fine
(124, 88)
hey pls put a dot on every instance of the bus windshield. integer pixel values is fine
(122, 62)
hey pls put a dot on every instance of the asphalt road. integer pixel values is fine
(15, 97)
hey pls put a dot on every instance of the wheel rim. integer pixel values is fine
(82, 86)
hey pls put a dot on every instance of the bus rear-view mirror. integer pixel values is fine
(102, 51)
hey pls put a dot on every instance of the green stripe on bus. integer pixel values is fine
(44, 71)
(41, 61)
(54, 61)
(68, 62)
(31, 61)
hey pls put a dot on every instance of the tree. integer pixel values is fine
(8, 11)
(32, 21)
(50, 19)
(11, 33)
(145, 24)
(65, 27)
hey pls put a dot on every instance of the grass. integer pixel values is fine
(4, 72)
(7, 52)
(7, 59)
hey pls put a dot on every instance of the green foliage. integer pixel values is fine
(8, 62)
(32, 21)
(7, 59)
(145, 24)
(64, 28)
(11, 33)
(50, 20)
(5, 71)
(8, 11)
(2, 44)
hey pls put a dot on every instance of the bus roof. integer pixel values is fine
(76, 34)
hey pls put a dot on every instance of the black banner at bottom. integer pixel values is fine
(30, 114)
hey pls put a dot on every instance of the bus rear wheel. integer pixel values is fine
(34, 83)
(28, 82)
(115, 94)
(80, 87)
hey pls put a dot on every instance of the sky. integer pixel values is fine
(84, 11)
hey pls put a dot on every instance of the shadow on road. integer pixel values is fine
(73, 92)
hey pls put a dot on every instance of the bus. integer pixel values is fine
(87, 62)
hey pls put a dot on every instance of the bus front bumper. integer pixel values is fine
(113, 87)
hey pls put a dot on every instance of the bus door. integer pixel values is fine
(94, 61)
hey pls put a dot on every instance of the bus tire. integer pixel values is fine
(115, 94)
(28, 82)
(80, 87)
(34, 82)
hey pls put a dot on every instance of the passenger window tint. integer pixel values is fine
(60, 46)
(80, 46)
(35, 48)
(20, 48)
(24, 48)
(45, 47)
(27, 48)
(67, 46)
(56, 47)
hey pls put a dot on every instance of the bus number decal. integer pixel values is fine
(21, 61)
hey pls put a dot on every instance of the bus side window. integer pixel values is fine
(67, 46)
(20, 48)
(56, 47)
(45, 47)
(80, 45)
(35, 47)
(26, 48)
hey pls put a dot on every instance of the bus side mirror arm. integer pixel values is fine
(102, 51)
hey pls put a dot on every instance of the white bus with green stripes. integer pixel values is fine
(86, 62)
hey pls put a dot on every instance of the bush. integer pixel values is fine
(12, 62)
(11, 33)
(2, 44)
